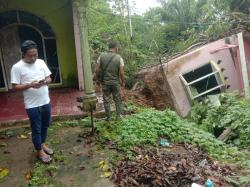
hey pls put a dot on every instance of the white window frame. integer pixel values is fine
(216, 72)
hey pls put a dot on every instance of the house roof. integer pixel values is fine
(167, 58)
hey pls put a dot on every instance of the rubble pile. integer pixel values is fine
(180, 166)
(159, 88)
(139, 96)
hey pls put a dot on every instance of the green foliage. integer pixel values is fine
(106, 23)
(42, 175)
(233, 113)
(165, 30)
(149, 124)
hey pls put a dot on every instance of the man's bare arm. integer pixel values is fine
(34, 84)
(48, 80)
(21, 87)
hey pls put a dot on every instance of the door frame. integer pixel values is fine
(44, 50)
(3, 71)
(46, 34)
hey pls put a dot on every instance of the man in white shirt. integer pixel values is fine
(32, 76)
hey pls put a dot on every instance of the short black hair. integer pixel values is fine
(112, 44)
(28, 44)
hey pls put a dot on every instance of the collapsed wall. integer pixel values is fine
(156, 84)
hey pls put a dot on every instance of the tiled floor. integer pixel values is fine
(63, 104)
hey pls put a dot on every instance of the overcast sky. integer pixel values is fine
(143, 5)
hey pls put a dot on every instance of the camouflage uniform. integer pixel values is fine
(110, 80)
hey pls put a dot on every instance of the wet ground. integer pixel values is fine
(75, 161)
(77, 158)
(18, 157)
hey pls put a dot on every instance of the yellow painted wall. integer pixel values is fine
(58, 14)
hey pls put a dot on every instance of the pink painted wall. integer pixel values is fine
(191, 61)
(247, 52)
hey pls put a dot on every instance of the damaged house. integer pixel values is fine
(220, 66)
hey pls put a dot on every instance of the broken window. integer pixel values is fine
(205, 80)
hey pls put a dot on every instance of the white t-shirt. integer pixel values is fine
(24, 73)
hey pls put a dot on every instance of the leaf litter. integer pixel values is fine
(180, 166)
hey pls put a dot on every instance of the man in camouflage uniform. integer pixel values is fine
(110, 73)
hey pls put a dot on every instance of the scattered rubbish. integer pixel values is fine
(164, 143)
(4, 172)
(209, 183)
(196, 185)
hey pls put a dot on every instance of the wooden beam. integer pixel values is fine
(243, 64)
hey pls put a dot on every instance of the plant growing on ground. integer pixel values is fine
(149, 124)
(233, 113)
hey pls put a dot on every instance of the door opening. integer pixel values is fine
(13, 32)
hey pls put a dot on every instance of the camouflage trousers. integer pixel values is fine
(108, 91)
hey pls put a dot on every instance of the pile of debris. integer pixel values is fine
(156, 83)
(180, 166)
(138, 95)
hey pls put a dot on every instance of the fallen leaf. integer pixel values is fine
(101, 162)
(82, 167)
(28, 175)
(172, 168)
(2, 137)
(23, 137)
(3, 144)
(105, 168)
(184, 163)
(106, 174)
(3, 172)
(59, 124)
(133, 181)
